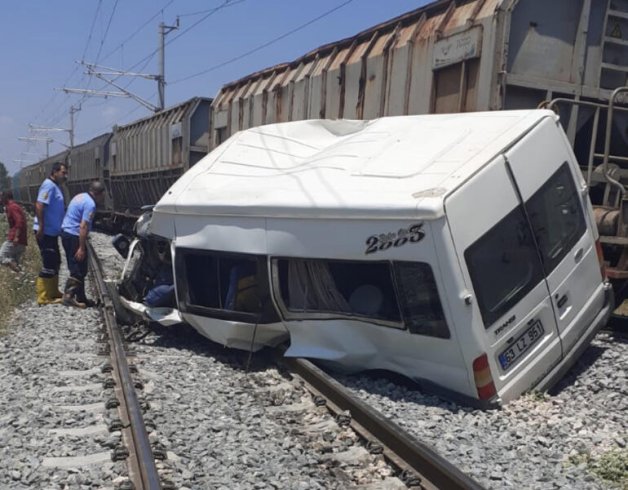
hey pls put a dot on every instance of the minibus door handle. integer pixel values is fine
(579, 254)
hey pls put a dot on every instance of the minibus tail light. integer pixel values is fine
(483, 378)
(600, 257)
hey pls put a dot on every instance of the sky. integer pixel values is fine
(45, 44)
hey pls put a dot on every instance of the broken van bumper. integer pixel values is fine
(556, 374)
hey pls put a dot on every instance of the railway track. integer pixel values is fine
(138, 453)
(417, 465)
(550, 426)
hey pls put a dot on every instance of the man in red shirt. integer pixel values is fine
(13, 248)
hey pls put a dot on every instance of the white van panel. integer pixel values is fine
(576, 278)
(350, 239)
(474, 212)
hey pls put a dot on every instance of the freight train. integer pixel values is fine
(137, 162)
(448, 56)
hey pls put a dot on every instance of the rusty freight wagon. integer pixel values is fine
(469, 55)
(147, 156)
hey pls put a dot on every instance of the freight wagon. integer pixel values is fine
(449, 56)
(147, 156)
(469, 55)
(27, 181)
(87, 162)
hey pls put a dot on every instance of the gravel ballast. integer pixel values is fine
(226, 424)
(556, 440)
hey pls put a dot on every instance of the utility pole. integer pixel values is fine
(70, 131)
(73, 110)
(102, 72)
(161, 78)
(47, 140)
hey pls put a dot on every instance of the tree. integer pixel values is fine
(5, 180)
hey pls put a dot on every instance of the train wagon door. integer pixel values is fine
(551, 188)
(510, 318)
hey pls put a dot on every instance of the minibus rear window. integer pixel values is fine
(556, 215)
(504, 266)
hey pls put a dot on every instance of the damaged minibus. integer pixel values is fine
(458, 250)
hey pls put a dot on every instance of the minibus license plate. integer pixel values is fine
(531, 336)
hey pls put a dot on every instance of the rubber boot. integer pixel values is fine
(72, 285)
(82, 297)
(43, 287)
(55, 288)
(40, 289)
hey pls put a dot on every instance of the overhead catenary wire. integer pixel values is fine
(152, 54)
(104, 38)
(59, 113)
(87, 42)
(206, 14)
(266, 44)
(224, 4)
(138, 30)
(91, 29)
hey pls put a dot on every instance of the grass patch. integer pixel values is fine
(611, 466)
(538, 396)
(16, 289)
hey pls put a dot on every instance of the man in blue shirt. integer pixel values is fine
(76, 226)
(49, 210)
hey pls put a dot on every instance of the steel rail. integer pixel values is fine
(142, 468)
(434, 470)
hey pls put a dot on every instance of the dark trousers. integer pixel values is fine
(78, 270)
(50, 256)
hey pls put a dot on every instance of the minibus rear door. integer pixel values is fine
(551, 190)
(511, 319)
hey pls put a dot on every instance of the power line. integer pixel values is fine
(84, 97)
(139, 29)
(226, 3)
(104, 37)
(205, 11)
(265, 45)
(91, 29)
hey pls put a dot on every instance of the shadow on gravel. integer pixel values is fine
(588, 358)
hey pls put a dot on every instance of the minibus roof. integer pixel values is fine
(393, 167)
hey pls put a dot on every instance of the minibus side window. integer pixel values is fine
(504, 266)
(342, 287)
(419, 301)
(556, 216)
(222, 285)
(398, 293)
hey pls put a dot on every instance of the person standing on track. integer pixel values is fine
(13, 248)
(76, 226)
(49, 211)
